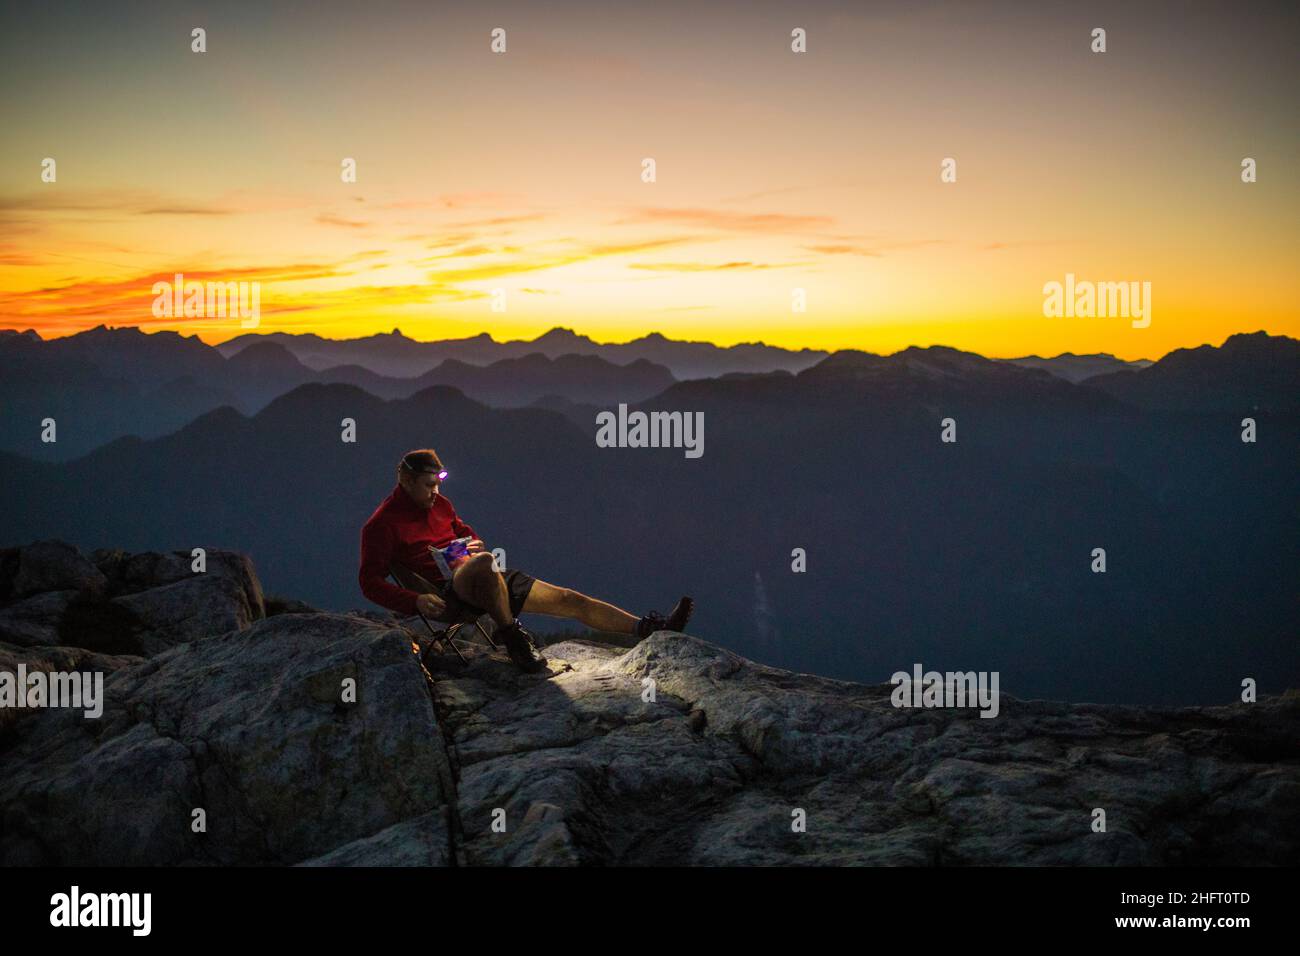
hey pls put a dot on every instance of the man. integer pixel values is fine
(417, 528)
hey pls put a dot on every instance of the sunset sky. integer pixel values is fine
(522, 171)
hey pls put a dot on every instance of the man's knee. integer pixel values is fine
(476, 571)
(479, 565)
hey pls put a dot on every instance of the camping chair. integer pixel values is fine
(406, 578)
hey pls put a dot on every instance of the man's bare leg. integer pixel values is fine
(565, 602)
(479, 583)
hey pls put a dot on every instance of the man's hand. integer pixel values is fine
(476, 546)
(430, 605)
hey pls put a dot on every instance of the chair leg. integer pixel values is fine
(444, 637)
(478, 624)
(448, 636)
(428, 626)
(452, 645)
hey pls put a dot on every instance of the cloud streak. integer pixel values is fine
(769, 223)
(707, 266)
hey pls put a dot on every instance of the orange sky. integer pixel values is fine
(776, 171)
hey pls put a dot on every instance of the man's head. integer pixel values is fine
(420, 473)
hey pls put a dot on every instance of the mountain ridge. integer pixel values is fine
(987, 530)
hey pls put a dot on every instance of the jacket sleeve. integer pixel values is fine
(376, 555)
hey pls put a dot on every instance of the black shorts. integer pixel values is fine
(518, 584)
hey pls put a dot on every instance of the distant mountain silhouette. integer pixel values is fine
(1249, 372)
(389, 354)
(396, 355)
(265, 369)
(940, 370)
(132, 355)
(105, 383)
(97, 395)
(579, 378)
(973, 555)
(1076, 368)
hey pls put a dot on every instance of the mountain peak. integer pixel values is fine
(559, 334)
(1260, 342)
(265, 356)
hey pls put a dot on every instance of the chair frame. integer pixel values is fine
(406, 578)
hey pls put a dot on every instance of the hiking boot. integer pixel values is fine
(654, 621)
(519, 644)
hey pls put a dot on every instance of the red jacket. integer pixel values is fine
(401, 531)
